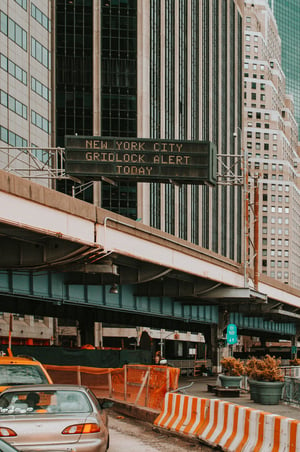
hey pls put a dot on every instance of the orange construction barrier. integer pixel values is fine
(138, 384)
(232, 427)
(183, 413)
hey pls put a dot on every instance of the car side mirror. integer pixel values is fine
(105, 404)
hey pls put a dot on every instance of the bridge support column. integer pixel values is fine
(87, 331)
(216, 344)
(294, 344)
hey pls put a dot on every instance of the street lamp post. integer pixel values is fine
(245, 205)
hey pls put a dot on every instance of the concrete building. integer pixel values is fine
(26, 78)
(271, 142)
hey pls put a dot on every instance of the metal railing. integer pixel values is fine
(291, 389)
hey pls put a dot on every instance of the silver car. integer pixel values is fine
(65, 418)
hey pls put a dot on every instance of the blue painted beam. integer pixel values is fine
(51, 286)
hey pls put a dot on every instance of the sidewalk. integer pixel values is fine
(199, 389)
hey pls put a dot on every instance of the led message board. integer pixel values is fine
(141, 160)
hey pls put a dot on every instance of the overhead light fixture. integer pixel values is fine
(114, 289)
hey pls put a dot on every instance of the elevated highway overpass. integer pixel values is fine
(60, 257)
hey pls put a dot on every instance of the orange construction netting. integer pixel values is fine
(138, 384)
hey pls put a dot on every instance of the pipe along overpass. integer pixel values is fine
(60, 257)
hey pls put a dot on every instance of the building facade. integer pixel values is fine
(26, 86)
(271, 142)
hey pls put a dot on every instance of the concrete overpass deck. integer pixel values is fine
(42, 230)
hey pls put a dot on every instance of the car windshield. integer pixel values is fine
(32, 402)
(14, 374)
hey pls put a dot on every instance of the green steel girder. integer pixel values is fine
(50, 292)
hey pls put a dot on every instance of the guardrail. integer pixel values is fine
(291, 389)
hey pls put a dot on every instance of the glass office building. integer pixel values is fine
(287, 15)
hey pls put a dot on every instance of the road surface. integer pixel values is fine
(132, 435)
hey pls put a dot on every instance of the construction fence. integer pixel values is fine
(140, 385)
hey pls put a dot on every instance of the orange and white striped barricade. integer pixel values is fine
(182, 413)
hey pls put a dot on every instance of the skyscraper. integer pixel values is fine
(287, 14)
(271, 138)
(155, 69)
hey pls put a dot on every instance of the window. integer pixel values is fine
(40, 89)
(40, 122)
(40, 53)
(11, 29)
(40, 17)
(13, 104)
(13, 69)
(11, 138)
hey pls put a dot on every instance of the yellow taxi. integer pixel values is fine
(22, 370)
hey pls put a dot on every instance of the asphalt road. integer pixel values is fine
(132, 435)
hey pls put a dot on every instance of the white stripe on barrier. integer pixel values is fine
(253, 431)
